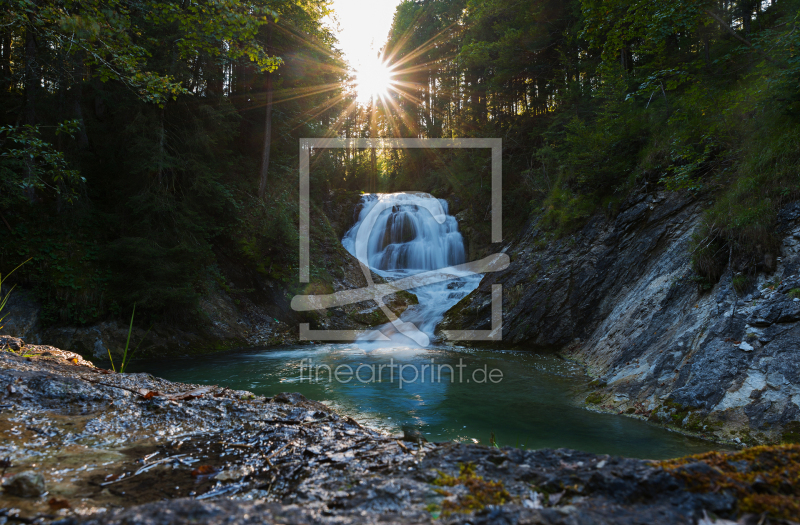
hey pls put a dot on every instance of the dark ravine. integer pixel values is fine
(214, 455)
(250, 309)
(619, 296)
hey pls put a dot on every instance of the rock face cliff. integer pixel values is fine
(620, 296)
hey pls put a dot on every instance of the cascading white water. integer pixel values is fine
(412, 234)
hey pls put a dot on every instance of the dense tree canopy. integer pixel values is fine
(596, 98)
(145, 145)
(131, 138)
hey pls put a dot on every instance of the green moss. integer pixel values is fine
(770, 484)
(434, 510)
(695, 423)
(481, 491)
(794, 293)
(791, 433)
(594, 398)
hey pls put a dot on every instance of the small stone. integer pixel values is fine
(28, 484)
(796, 300)
(746, 347)
(234, 473)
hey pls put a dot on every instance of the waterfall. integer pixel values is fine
(411, 233)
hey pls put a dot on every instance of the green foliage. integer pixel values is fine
(132, 178)
(740, 283)
(135, 183)
(34, 166)
(617, 24)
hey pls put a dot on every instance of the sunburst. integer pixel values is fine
(373, 80)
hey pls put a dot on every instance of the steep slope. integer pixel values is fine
(620, 296)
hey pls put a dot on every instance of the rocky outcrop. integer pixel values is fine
(620, 296)
(135, 449)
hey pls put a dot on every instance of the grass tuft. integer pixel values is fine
(125, 356)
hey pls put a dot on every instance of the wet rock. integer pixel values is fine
(234, 474)
(778, 309)
(620, 296)
(28, 484)
(299, 400)
(789, 215)
(10, 343)
(286, 461)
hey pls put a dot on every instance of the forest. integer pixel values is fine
(149, 148)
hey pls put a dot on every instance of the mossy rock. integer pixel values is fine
(594, 399)
(791, 433)
(480, 492)
(762, 479)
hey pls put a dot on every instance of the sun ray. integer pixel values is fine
(424, 48)
(402, 114)
(325, 108)
(373, 80)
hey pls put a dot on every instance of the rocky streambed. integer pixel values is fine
(83, 445)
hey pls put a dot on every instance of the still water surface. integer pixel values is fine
(537, 404)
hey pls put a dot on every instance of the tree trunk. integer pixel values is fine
(77, 97)
(162, 147)
(262, 184)
(32, 79)
(373, 120)
(5, 63)
(747, 17)
(32, 82)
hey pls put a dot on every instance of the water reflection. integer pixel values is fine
(533, 405)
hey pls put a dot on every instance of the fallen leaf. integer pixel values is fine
(58, 503)
(204, 470)
(178, 396)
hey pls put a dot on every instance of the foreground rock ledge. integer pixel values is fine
(134, 449)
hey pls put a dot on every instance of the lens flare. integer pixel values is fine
(373, 80)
